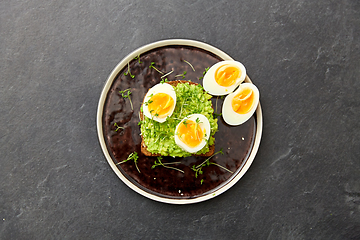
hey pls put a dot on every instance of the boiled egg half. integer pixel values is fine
(159, 102)
(192, 133)
(223, 77)
(240, 105)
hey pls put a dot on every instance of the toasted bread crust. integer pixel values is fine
(143, 145)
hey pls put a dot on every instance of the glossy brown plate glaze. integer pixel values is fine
(236, 142)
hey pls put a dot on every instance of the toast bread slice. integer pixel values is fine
(143, 145)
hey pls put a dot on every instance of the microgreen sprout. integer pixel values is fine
(190, 65)
(217, 98)
(148, 102)
(217, 115)
(198, 169)
(206, 69)
(132, 156)
(128, 71)
(126, 94)
(185, 123)
(181, 109)
(159, 163)
(167, 74)
(207, 160)
(152, 66)
(164, 80)
(138, 58)
(181, 75)
(117, 127)
(196, 126)
(215, 112)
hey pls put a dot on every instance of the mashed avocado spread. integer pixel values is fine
(159, 137)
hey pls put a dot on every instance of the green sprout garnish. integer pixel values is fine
(198, 169)
(215, 112)
(126, 94)
(159, 163)
(167, 74)
(117, 127)
(152, 66)
(128, 71)
(182, 105)
(217, 115)
(197, 122)
(206, 69)
(217, 98)
(148, 102)
(190, 65)
(185, 123)
(164, 80)
(138, 58)
(132, 156)
(181, 75)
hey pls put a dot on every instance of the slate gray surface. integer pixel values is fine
(55, 57)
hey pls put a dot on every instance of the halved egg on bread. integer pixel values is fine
(240, 105)
(223, 77)
(192, 133)
(159, 102)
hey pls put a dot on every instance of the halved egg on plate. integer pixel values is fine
(223, 77)
(159, 102)
(240, 105)
(192, 133)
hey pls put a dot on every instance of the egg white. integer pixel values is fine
(205, 127)
(229, 115)
(159, 88)
(210, 85)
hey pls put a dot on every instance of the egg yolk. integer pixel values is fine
(243, 101)
(190, 133)
(160, 105)
(226, 75)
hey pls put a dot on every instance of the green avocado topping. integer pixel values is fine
(159, 137)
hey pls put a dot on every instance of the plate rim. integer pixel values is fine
(111, 78)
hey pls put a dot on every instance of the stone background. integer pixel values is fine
(55, 57)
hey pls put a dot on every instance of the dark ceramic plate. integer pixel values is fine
(239, 144)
